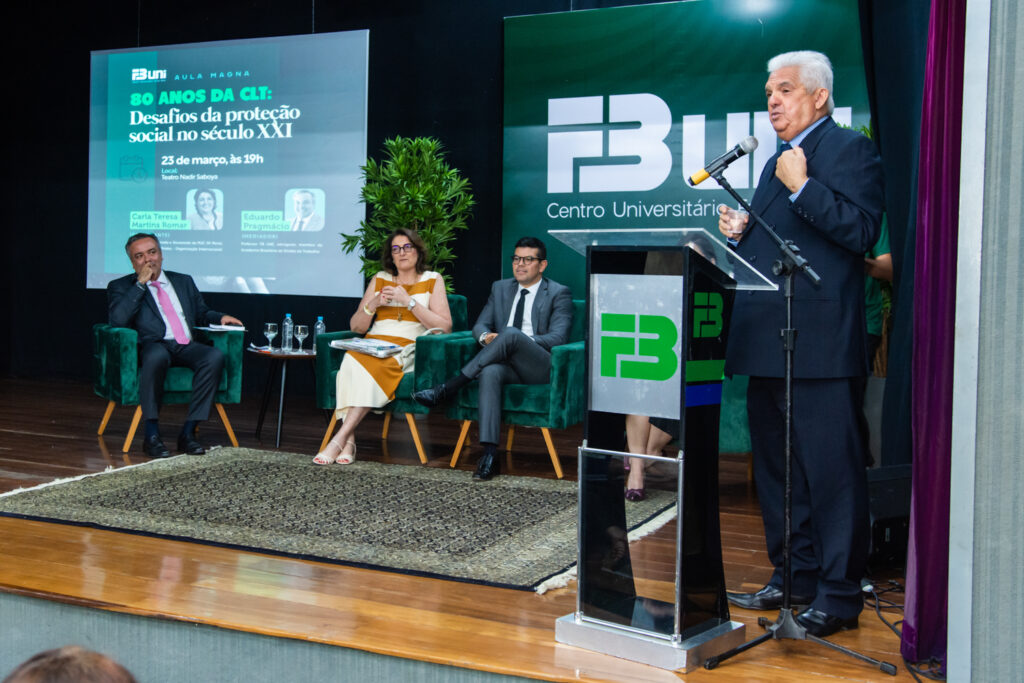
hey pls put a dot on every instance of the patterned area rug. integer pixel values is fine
(514, 532)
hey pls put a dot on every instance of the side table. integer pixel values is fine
(278, 359)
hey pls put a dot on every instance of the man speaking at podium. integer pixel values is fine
(163, 307)
(823, 190)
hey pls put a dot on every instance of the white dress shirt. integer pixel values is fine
(528, 308)
(169, 288)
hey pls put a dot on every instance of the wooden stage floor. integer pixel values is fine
(48, 431)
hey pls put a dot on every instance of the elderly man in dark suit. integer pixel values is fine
(524, 318)
(823, 190)
(163, 307)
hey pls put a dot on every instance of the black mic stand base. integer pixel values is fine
(786, 627)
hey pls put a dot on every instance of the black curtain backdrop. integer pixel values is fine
(895, 46)
(435, 69)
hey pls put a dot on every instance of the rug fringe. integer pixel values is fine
(557, 581)
(65, 480)
(653, 524)
(562, 580)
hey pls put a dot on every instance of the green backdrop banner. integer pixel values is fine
(608, 111)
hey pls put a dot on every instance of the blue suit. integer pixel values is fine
(834, 221)
(132, 306)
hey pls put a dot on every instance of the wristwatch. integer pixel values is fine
(412, 304)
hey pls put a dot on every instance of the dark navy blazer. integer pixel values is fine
(131, 306)
(835, 221)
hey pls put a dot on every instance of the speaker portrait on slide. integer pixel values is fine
(205, 215)
(306, 217)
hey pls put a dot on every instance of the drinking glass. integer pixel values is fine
(737, 222)
(270, 331)
(301, 332)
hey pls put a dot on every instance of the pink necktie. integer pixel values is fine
(172, 316)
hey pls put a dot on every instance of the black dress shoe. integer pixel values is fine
(431, 397)
(190, 445)
(823, 625)
(486, 467)
(768, 597)
(153, 447)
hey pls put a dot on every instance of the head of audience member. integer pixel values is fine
(799, 91)
(71, 664)
(143, 249)
(305, 203)
(529, 260)
(399, 251)
(205, 201)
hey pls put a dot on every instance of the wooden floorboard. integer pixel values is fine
(48, 431)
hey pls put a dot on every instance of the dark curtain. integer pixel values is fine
(895, 36)
(924, 625)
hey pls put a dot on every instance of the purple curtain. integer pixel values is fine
(924, 626)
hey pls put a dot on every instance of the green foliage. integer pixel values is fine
(412, 187)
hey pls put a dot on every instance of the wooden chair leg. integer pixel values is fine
(462, 440)
(106, 418)
(227, 424)
(415, 436)
(330, 430)
(551, 451)
(132, 428)
(508, 442)
(387, 424)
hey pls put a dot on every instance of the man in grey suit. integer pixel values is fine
(525, 317)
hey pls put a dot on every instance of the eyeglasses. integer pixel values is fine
(525, 260)
(407, 247)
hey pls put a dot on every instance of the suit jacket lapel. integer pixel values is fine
(774, 186)
(151, 302)
(510, 292)
(178, 283)
(539, 302)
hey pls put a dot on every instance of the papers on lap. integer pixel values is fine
(371, 347)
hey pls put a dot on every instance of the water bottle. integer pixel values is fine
(286, 333)
(318, 328)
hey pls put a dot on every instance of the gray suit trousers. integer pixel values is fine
(512, 358)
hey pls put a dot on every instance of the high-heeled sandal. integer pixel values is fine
(635, 495)
(326, 457)
(347, 458)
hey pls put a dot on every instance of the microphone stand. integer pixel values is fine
(786, 626)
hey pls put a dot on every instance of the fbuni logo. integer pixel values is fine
(149, 75)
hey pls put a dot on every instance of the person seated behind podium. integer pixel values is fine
(206, 216)
(70, 664)
(402, 302)
(164, 307)
(516, 339)
(649, 436)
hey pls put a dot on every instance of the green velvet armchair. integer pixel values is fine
(116, 373)
(431, 368)
(556, 405)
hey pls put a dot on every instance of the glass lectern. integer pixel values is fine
(658, 305)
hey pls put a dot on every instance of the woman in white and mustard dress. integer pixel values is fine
(402, 301)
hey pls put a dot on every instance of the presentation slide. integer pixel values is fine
(242, 156)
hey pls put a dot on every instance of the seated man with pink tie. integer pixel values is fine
(163, 307)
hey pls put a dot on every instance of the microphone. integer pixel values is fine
(745, 146)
